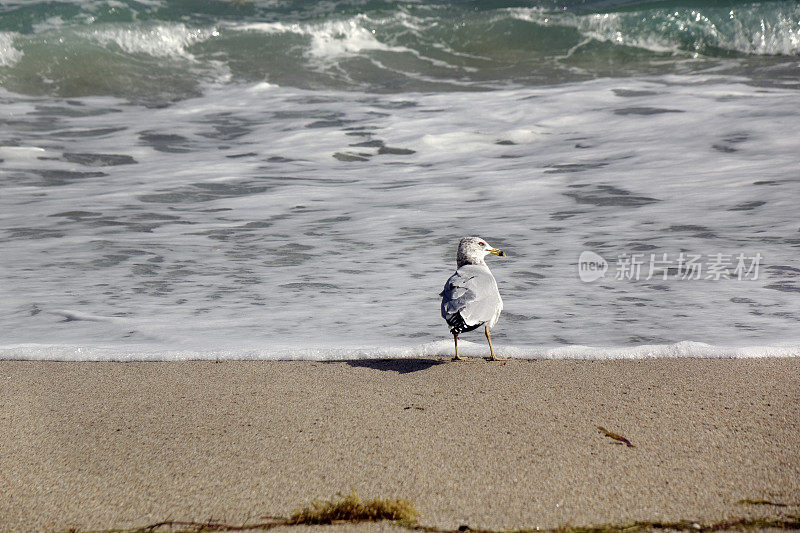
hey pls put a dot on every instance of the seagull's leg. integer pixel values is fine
(455, 341)
(491, 350)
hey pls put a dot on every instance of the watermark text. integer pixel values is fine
(677, 266)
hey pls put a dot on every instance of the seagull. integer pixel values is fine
(470, 298)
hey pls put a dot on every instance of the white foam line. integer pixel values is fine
(419, 77)
(443, 348)
(448, 50)
(21, 153)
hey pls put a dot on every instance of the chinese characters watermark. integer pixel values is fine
(664, 266)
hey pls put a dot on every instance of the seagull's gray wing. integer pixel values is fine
(470, 299)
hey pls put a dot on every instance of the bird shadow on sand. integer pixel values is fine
(401, 366)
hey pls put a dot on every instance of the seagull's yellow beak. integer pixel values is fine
(499, 253)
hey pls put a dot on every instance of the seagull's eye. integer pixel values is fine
(481, 244)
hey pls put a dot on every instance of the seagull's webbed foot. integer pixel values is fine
(492, 356)
(455, 342)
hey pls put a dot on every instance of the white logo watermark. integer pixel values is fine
(684, 266)
(591, 266)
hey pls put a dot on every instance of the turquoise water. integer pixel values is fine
(160, 51)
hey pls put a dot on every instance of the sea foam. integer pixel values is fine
(8, 54)
(273, 181)
(439, 350)
(259, 221)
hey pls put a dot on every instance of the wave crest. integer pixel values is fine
(9, 55)
(159, 40)
(748, 30)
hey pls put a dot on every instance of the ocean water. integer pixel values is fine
(289, 180)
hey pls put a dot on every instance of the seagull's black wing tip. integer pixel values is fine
(457, 324)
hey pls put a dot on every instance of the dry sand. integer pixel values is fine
(102, 445)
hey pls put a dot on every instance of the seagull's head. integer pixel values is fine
(472, 250)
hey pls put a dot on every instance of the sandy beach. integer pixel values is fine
(120, 445)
